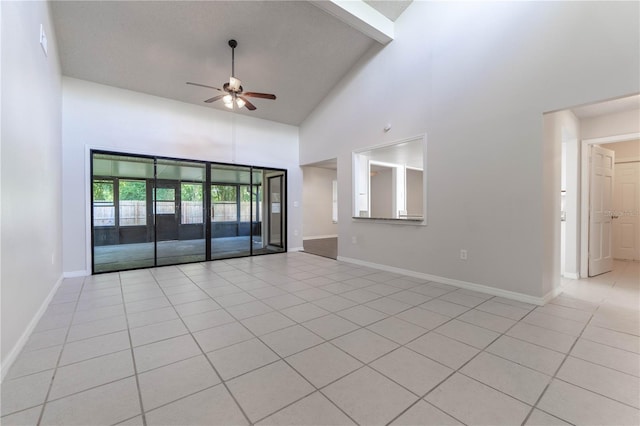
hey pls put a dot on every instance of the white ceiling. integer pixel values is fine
(290, 48)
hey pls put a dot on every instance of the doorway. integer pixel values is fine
(577, 131)
(612, 231)
(320, 208)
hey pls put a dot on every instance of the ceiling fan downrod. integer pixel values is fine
(233, 44)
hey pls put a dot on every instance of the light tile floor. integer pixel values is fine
(299, 339)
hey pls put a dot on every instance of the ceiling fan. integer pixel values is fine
(233, 93)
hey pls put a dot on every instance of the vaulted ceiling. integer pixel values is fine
(291, 48)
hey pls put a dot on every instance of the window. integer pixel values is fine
(247, 211)
(191, 203)
(224, 203)
(104, 211)
(389, 181)
(165, 201)
(132, 206)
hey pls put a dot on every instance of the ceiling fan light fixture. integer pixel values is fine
(227, 99)
(234, 84)
(240, 102)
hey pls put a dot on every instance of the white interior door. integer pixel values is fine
(626, 207)
(600, 208)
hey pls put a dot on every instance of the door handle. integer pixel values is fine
(614, 217)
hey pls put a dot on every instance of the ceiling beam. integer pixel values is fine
(361, 16)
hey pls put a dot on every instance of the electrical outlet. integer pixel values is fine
(354, 240)
(295, 232)
(463, 254)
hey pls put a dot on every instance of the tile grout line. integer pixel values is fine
(133, 357)
(484, 350)
(457, 370)
(554, 376)
(280, 359)
(290, 366)
(203, 353)
(55, 370)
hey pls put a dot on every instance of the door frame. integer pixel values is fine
(269, 206)
(585, 189)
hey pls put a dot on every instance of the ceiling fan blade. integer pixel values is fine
(204, 85)
(215, 98)
(248, 104)
(259, 95)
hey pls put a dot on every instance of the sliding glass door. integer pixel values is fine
(180, 212)
(123, 233)
(150, 211)
(230, 229)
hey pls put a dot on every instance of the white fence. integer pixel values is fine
(134, 213)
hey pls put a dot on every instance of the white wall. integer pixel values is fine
(621, 123)
(104, 117)
(317, 202)
(625, 151)
(31, 236)
(476, 78)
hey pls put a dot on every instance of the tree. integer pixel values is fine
(103, 190)
(223, 193)
(132, 190)
(192, 192)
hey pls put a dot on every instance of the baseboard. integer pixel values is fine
(17, 348)
(555, 292)
(74, 274)
(319, 237)
(571, 275)
(481, 288)
(295, 249)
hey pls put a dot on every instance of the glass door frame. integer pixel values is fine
(270, 207)
(206, 200)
